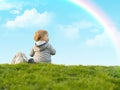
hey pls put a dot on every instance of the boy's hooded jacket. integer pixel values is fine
(42, 52)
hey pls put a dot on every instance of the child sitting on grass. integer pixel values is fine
(42, 50)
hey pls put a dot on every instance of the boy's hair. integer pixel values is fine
(39, 35)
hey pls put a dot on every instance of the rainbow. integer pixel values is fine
(100, 16)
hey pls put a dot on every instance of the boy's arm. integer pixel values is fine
(52, 50)
(32, 52)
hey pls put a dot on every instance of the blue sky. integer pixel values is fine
(75, 34)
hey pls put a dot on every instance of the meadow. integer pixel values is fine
(58, 77)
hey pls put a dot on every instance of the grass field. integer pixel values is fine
(58, 77)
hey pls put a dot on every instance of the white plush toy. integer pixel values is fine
(19, 58)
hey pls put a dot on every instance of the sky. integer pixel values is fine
(78, 37)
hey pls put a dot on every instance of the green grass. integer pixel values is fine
(58, 77)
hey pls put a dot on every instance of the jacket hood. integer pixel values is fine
(40, 43)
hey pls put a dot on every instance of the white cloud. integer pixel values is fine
(7, 6)
(96, 30)
(72, 30)
(98, 40)
(14, 8)
(14, 11)
(30, 18)
(105, 37)
(83, 24)
(69, 31)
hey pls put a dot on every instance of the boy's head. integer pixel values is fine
(41, 35)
